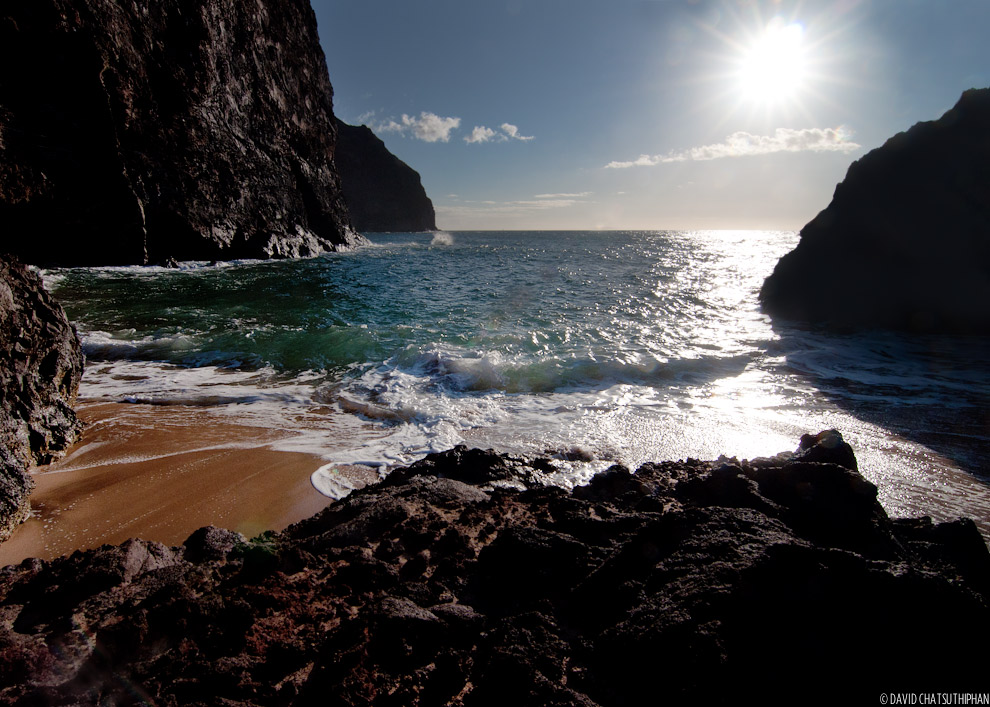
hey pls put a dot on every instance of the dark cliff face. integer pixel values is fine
(463, 581)
(40, 367)
(142, 131)
(905, 242)
(382, 192)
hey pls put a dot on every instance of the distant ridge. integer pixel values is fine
(905, 242)
(382, 192)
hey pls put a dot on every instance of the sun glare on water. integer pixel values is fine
(772, 67)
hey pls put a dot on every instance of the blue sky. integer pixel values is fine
(644, 114)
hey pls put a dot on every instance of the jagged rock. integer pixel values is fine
(40, 366)
(147, 132)
(382, 192)
(211, 544)
(826, 447)
(905, 242)
(686, 582)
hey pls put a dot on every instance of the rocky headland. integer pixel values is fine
(41, 363)
(905, 242)
(148, 132)
(382, 192)
(464, 580)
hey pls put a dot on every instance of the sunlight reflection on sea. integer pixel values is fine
(630, 346)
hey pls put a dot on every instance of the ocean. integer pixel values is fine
(590, 348)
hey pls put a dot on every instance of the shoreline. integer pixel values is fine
(158, 473)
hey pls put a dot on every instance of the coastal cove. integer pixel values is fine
(269, 437)
(590, 348)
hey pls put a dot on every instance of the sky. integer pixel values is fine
(644, 114)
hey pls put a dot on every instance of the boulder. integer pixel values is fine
(382, 192)
(147, 132)
(41, 362)
(905, 242)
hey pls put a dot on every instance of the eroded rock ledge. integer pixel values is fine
(691, 582)
(40, 366)
(149, 131)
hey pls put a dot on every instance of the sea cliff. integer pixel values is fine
(382, 192)
(40, 366)
(147, 132)
(905, 242)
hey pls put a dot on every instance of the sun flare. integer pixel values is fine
(772, 68)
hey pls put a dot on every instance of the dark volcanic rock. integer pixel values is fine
(382, 192)
(146, 131)
(687, 582)
(40, 365)
(905, 243)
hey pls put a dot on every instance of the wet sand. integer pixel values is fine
(159, 473)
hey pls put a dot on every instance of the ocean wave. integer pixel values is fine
(478, 372)
(106, 346)
(192, 400)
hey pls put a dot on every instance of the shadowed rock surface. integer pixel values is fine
(905, 242)
(144, 132)
(686, 582)
(41, 363)
(382, 192)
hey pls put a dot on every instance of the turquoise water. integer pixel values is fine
(593, 347)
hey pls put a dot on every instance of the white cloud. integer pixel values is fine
(388, 127)
(641, 161)
(513, 132)
(743, 144)
(480, 134)
(506, 132)
(428, 127)
(431, 127)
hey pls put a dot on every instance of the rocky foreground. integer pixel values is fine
(463, 580)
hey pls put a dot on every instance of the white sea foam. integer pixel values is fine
(634, 347)
(331, 483)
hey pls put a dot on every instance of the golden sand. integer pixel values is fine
(159, 473)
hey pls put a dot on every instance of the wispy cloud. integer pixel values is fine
(506, 132)
(428, 127)
(743, 144)
(513, 132)
(540, 202)
(578, 195)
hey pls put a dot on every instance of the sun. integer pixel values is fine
(772, 68)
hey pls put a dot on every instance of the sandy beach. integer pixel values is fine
(159, 473)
